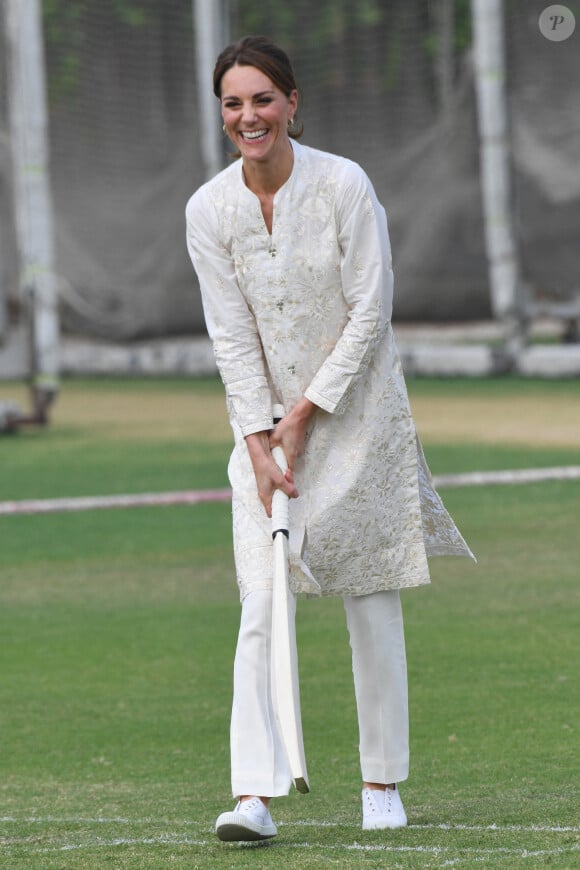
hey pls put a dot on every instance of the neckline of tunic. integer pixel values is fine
(296, 148)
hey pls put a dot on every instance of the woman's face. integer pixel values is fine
(256, 113)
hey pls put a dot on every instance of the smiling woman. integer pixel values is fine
(256, 118)
(255, 85)
(260, 55)
(292, 251)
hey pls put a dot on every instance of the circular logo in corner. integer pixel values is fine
(557, 23)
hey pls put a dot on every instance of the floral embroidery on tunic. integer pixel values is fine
(315, 320)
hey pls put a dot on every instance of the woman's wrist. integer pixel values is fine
(258, 442)
(304, 410)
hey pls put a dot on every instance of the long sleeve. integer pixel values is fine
(367, 281)
(230, 323)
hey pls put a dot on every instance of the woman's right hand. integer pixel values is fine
(268, 475)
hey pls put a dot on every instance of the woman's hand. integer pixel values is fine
(290, 432)
(290, 435)
(268, 475)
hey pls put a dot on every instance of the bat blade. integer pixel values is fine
(285, 683)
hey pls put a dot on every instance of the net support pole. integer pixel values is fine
(507, 290)
(210, 20)
(444, 13)
(32, 196)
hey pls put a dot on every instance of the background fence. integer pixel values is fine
(386, 82)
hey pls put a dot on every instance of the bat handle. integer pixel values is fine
(277, 413)
(279, 498)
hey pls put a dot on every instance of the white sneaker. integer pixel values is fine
(250, 820)
(382, 809)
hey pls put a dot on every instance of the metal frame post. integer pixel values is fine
(28, 126)
(210, 19)
(507, 289)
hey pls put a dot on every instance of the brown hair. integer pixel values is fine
(265, 55)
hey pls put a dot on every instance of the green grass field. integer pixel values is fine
(118, 631)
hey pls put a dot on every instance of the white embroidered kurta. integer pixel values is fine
(306, 311)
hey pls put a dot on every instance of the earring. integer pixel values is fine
(224, 128)
(290, 121)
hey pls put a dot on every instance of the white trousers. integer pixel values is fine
(375, 625)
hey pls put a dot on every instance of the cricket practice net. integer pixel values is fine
(388, 83)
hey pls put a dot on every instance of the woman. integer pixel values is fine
(292, 253)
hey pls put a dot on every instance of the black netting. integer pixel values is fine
(124, 147)
(545, 86)
(386, 82)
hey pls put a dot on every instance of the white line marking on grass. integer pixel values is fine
(131, 841)
(169, 840)
(201, 496)
(527, 829)
(461, 852)
(455, 854)
(523, 475)
(302, 823)
(547, 829)
(97, 820)
(101, 502)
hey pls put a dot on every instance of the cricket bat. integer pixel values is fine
(284, 664)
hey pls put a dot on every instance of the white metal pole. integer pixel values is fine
(33, 202)
(210, 19)
(507, 291)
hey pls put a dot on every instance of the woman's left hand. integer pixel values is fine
(290, 432)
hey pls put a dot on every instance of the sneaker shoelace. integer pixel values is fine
(372, 804)
(254, 805)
